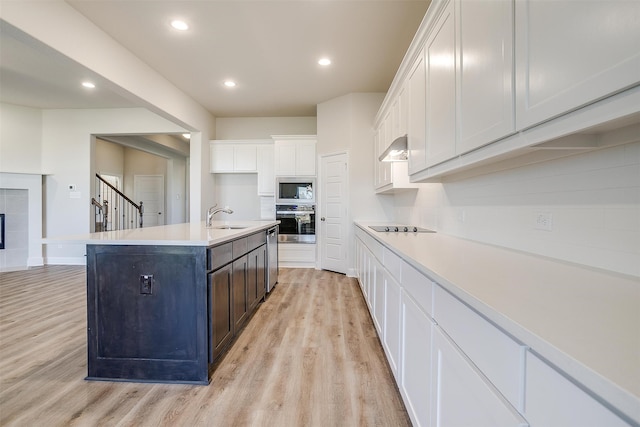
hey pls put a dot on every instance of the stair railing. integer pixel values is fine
(114, 210)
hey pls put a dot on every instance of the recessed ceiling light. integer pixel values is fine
(179, 25)
(230, 83)
(88, 85)
(324, 61)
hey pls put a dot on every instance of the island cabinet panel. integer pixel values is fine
(256, 277)
(240, 307)
(147, 318)
(220, 317)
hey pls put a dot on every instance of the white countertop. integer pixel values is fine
(585, 321)
(188, 234)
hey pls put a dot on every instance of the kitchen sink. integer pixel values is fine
(229, 227)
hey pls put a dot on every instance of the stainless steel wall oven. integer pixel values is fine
(297, 223)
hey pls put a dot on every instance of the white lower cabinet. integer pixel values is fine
(379, 301)
(415, 377)
(554, 401)
(461, 394)
(453, 365)
(297, 254)
(392, 322)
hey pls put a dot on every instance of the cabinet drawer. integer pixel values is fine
(499, 357)
(240, 247)
(554, 401)
(419, 286)
(219, 256)
(256, 240)
(392, 263)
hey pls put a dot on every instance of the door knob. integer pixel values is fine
(322, 219)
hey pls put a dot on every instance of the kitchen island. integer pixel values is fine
(164, 303)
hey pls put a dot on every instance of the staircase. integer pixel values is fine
(113, 210)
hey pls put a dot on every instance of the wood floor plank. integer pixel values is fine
(310, 356)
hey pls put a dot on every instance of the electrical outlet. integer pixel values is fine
(543, 221)
(462, 216)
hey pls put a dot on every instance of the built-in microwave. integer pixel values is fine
(295, 190)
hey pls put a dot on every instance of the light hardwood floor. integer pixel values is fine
(309, 357)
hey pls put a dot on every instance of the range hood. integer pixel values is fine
(397, 151)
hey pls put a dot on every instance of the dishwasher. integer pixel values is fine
(272, 257)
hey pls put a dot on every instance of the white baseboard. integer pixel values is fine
(35, 262)
(65, 261)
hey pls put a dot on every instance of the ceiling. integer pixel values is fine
(270, 48)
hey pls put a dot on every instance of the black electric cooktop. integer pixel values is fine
(400, 229)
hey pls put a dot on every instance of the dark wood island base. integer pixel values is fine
(168, 313)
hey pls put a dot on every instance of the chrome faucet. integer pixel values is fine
(214, 210)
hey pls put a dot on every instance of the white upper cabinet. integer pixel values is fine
(266, 170)
(382, 172)
(486, 80)
(440, 50)
(484, 72)
(416, 118)
(233, 157)
(295, 155)
(571, 53)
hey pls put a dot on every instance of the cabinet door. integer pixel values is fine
(461, 395)
(285, 158)
(266, 170)
(221, 158)
(244, 158)
(252, 279)
(382, 169)
(261, 285)
(306, 158)
(240, 307)
(392, 323)
(441, 89)
(571, 53)
(403, 111)
(220, 320)
(378, 301)
(256, 276)
(416, 131)
(484, 72)
(554, 401)
(415, 381)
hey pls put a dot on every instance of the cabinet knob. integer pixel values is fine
(322, 219)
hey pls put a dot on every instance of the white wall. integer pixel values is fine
(239, 191)
(117, 69)
(263, 127)
(594, 200)
(67, 147)
(346, 124)
(109, 158)
(20, 139)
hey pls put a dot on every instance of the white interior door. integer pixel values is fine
(149, 189)
(333, 209)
